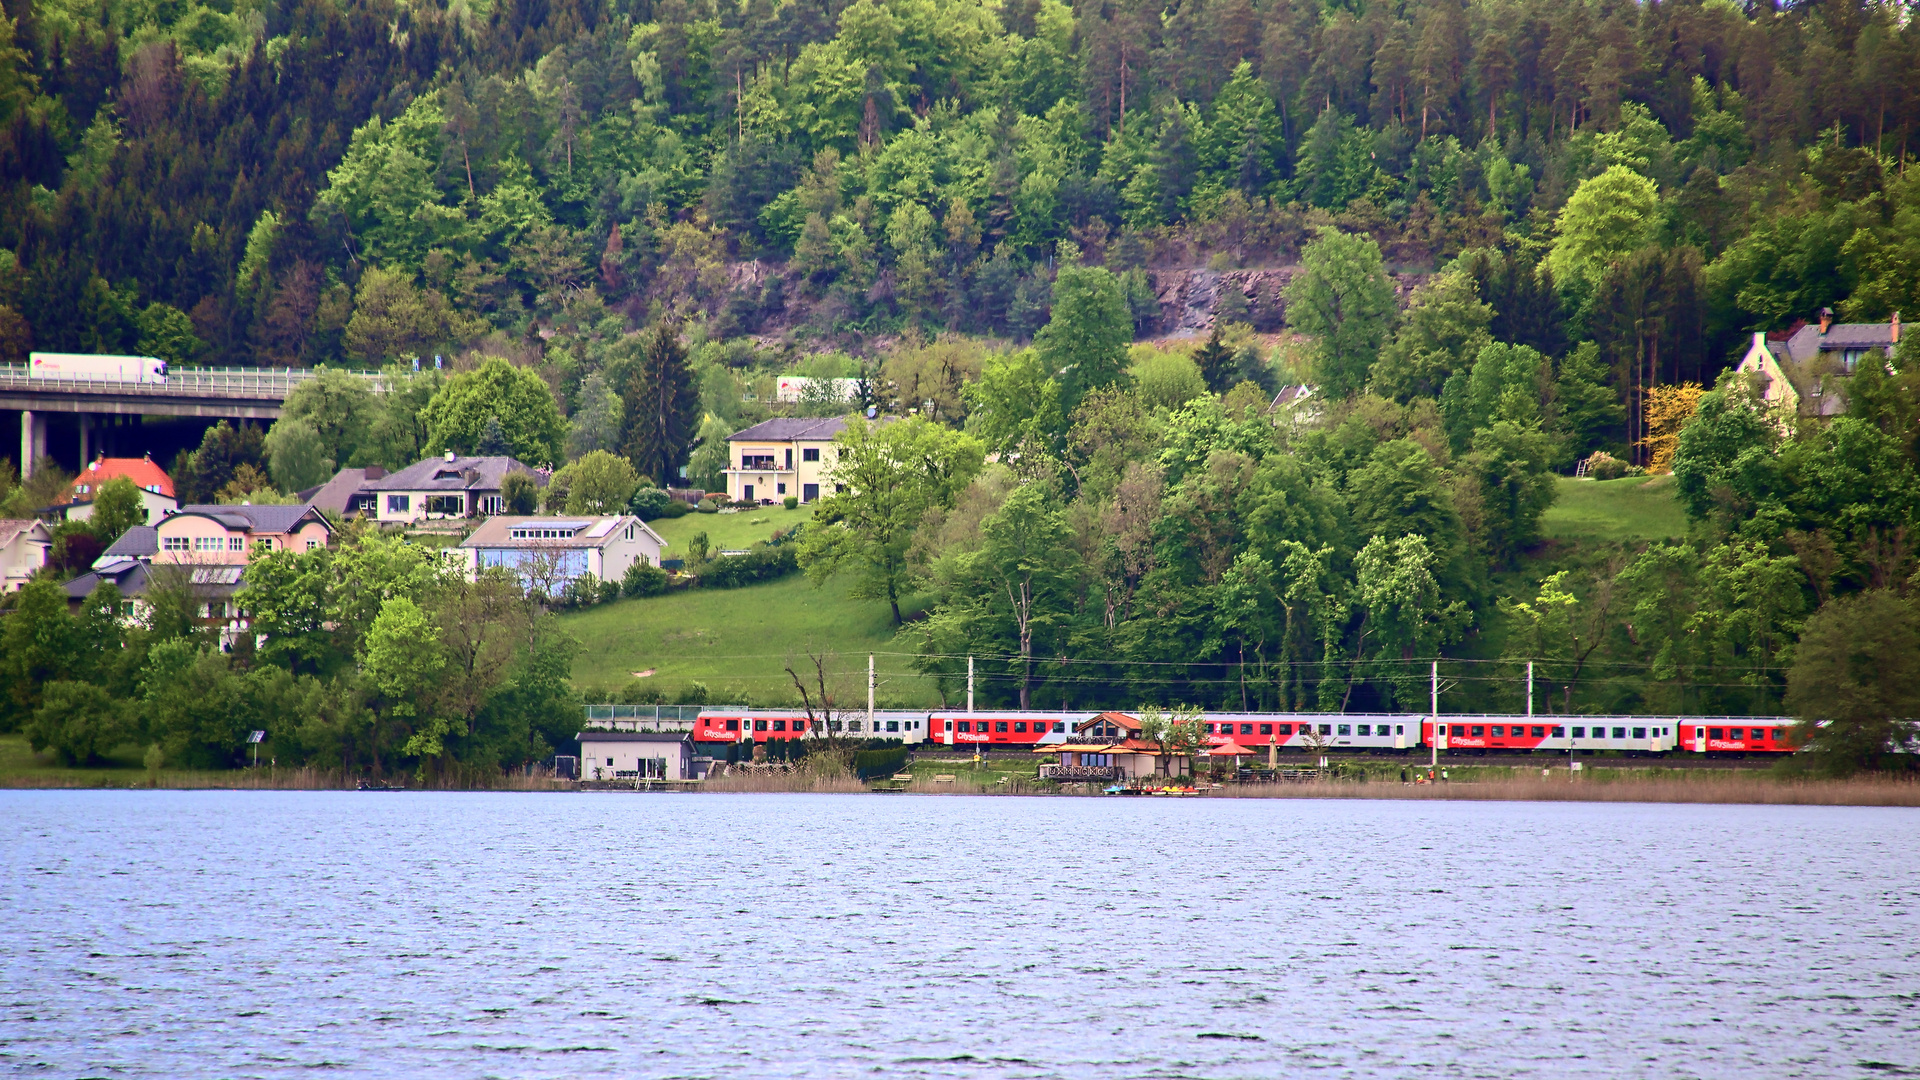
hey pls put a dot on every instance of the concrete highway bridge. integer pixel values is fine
(208, 393)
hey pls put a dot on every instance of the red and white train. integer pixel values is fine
(1336, 732)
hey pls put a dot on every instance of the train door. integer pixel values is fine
(1699, 739)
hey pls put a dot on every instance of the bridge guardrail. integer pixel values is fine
(183, 382)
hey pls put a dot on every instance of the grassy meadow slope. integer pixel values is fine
(1631, 508)
(738, 530)
(738, 641)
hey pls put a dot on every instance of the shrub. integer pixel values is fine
(868, 764)
(581, 592)
(764, 563)
(708, 506)
(78, 721)
(644, 579)
(693, 693)
(519, 494)
(609, 591)
(651, 503)
(676, 509)
(1604, 466)
(791, 502)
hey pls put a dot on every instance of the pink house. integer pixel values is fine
(231, 534)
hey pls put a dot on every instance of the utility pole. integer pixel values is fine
(1435, 746)
(969, 686)
(1529, 689)
(869, 692)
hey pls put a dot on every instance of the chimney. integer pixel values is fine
(1823, 329)
(376, 472)
(1893, 330)
(1826, 320)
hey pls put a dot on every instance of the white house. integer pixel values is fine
(1804, 369)
(560, 549)
(780, 457)
(24, 543)
(636, 755)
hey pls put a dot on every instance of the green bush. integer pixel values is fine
(791, 502)
(644, 579)
(765, 562)
(868, 764)
(78, 721)
(708, 506)
(650, 503)
(676, 509)
(1603, 466)
(693, 693)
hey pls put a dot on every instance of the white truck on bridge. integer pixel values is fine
(90, 367)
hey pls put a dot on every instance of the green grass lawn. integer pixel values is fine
(1631, 508)
(737, 641)
(738, 530)
(21, 767)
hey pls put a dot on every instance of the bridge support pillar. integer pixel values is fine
(33, 441)
(86, 423)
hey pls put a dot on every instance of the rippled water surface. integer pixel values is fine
(227, 934)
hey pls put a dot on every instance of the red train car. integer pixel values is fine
(1754, 735)
(1000, 728)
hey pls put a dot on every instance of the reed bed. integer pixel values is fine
(303, 779)
(777, 781)
(1708, 788)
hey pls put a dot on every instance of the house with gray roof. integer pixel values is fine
(547, 553)
(450, 486)
(1803, 370)
(780, 457)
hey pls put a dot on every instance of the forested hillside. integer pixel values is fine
(1072, 253)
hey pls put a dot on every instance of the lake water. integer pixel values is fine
(194, 934)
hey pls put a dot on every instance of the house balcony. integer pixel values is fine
(1079, 773)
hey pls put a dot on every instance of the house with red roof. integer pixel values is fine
(156, 487)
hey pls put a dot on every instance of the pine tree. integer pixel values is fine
(493, 440)
(662, 407)
(1215, 362)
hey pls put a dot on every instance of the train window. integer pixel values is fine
(1286, 729)
(1266, 729)
(1716, 733)
(1559, 733)
(1579, 733)
(1639, 733)
(1366, 729)
(759, 725)
(1458, 729)
(1399, 729)
(1060, 725)
(1346, 729)
(1478, 730)
(1499, 732)
(966, 725)
(1246, 729)
(1326, 729)
(893, 725)
(1619, 733)
(1539, 733)
(1020, 725)
(1209, 728)
(1000, 726)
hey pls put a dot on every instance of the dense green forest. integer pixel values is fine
(1493, 237)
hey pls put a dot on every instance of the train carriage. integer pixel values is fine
(779, 725)
(1299, 731)
(1007, 728)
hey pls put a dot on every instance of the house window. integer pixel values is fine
(174, 543)
(311, 544)
(265, 543)
(1850, 358)
(789, 457)
(809, 492)
(399, 504)
(746, 492)
(811, 453)
(492, 504)
(209, 543)
(756, 462)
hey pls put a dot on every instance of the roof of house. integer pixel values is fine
(1288, 396)
(634, 736)
(791, 429)
(584, 531)
(128, 575)
(11, 528)
(337, 493)
(136, 543)
(458, 474)
(1117, 719)
(1808, 342)
(142, 471)
(255, 518)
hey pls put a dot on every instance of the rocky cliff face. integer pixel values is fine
(1190, 300)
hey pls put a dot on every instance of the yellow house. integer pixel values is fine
(777, 458)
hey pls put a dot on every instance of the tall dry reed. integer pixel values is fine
(1707, 788)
